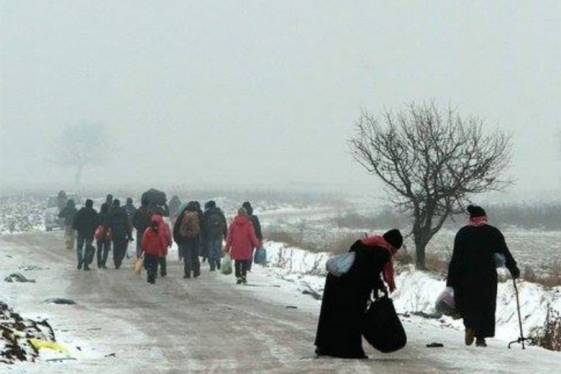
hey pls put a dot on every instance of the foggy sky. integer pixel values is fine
(266, 93)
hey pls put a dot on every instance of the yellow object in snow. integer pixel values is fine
(53, 346)
(138, 265)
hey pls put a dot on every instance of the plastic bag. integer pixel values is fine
(500, 260)
(226, 266)
(446, 304)
(260, 256)
(138, 265)
(39, 344)
(341, 264)
(99, 233)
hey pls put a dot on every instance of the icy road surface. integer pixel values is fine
(123, 325)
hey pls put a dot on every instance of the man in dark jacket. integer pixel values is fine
(121, 232)
(130, 209)
(186, 233)
(256, 225)
(473, 274)
(68, 214)
(85, 223)
(141, 221)
(215, 230)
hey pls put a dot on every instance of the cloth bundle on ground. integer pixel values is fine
(382, 328)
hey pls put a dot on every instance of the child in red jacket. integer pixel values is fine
(154, 246)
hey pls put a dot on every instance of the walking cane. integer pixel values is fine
(521, 339)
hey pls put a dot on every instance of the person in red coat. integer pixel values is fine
(165, 233)
(155, 243)
(240, 244)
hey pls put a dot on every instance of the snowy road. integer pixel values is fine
(209, 324)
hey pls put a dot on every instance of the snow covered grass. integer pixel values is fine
(21, 214)
(417, 291)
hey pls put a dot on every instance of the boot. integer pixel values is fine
(480, 342)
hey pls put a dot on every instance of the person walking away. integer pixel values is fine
(186, 233)
(256, 225)
(61, 200)
(121, 232)
(109, 201)
(174, 205)
(85, 223)
(240, 244)
(472, 274)
(345, 298)
(166, 239)
(103, 240)
(155, 242)
(203, 249)
(141, 221)
(68, 214)
(215, 231)
(130, 209)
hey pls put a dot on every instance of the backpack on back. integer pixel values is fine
(215, 224)
(190, 227)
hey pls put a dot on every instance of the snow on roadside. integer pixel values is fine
(417, 290)
(95, 340)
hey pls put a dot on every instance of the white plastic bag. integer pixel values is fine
(446, 304)
(226, 266)
(341, 264)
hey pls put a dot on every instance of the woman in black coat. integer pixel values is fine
(472, 274)
(345, 298)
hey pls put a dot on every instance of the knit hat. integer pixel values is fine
(248, 207)
(394, 237)
(476, 211)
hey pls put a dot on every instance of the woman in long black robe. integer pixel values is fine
(472, 274)
(339, 332)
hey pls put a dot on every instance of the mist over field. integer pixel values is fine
(265, 94)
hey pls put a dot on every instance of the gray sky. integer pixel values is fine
(256, 92)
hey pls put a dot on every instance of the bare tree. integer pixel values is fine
(80, 146)
(431, 162)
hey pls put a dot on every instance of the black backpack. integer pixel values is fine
(215, 224)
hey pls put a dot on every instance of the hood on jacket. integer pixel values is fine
(156, 218)
(241, 220)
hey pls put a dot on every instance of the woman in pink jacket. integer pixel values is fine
(240, 244)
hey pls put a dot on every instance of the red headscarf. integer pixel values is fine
(388, 272)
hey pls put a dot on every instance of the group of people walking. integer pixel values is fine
(472, 274)
(198, 234)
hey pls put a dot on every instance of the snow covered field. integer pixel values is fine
(417, 291)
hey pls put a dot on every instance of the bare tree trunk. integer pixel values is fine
(421, 241)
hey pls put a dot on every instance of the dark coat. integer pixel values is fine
(257, 226)
(141, 219)
(344, 303)
(119, 224)
(86, 222)
(68, 214)
(473, 275)
(215, 225)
